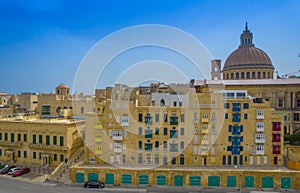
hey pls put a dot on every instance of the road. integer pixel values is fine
(19, 185)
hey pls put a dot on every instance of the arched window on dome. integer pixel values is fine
(258, 74)
(248, 75)
(237, 75)
(269, 75)
(232, 76)
(242, 75)
(264, 74)
(253, 75)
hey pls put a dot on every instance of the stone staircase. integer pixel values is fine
(62, 172)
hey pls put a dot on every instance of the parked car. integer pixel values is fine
(93, 184)
(6, 169)
(13, 170)
(21, 172)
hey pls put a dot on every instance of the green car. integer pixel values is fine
(2, 165)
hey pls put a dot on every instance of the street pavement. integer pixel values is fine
(33, 183)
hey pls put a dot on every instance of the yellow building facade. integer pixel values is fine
(38, 142)
(163, 139)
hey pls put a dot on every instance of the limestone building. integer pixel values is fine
(30, 141)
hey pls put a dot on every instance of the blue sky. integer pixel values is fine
(42, 42)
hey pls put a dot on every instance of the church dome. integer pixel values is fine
(248, 62)
(248, 56)
(62, 85)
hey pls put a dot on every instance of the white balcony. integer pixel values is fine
(117, 150)
(261, 152)
(117, 137)
(124, 124)
(260, 127)
(260, 138)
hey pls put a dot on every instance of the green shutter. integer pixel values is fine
(12, 137)
(61, 140)
(34, 139)
(47, 140)
(40, 139)
(25, 137)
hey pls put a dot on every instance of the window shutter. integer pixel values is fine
(230, 128)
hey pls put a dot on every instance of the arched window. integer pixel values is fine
(248, 75)
(269, 75)
(162, 102)
(258, 74)
(227, 76)
(242, 75)
(264, 74)
(232, 76)
(237, 75)
(253, 75)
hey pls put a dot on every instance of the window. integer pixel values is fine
(12, 137)
(173, 134)
(61, 140)
(140, 158)
(156, 159)
(173, 147)
(157, 131)
(148, 133)
(0, 136)
(165, 159)
(260, 114)
(47, 140)
(232, 76)
(280, 103)
(165, 117)
(242, 75)
(253, 75)
(156, 117)
(81, 110)
(173, 120)
(40, 139)
(181, 131)
(140, 145)
(237, 75)
(162, 102)
(19, 153)
(148, 119)
(19, 136)
(296, 117)
(258, 74)
(298, 103)
(140, 131)
(236, 107)
(125, 119)
(165, 146)
(148, 146)
(24, 137)
(248, 75)
(245, 116)
(236, 117)
(140, 117)
(34, 139)
(61, 157)
(226, 105)
(226, 115)
(156, 145)
(34, 155)
(182, 118)
(25, 154)
(173, 159)
(182, 146)
(55, 157)
(213, 128)
(165, 131)
(45, 110)
(54, 140)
